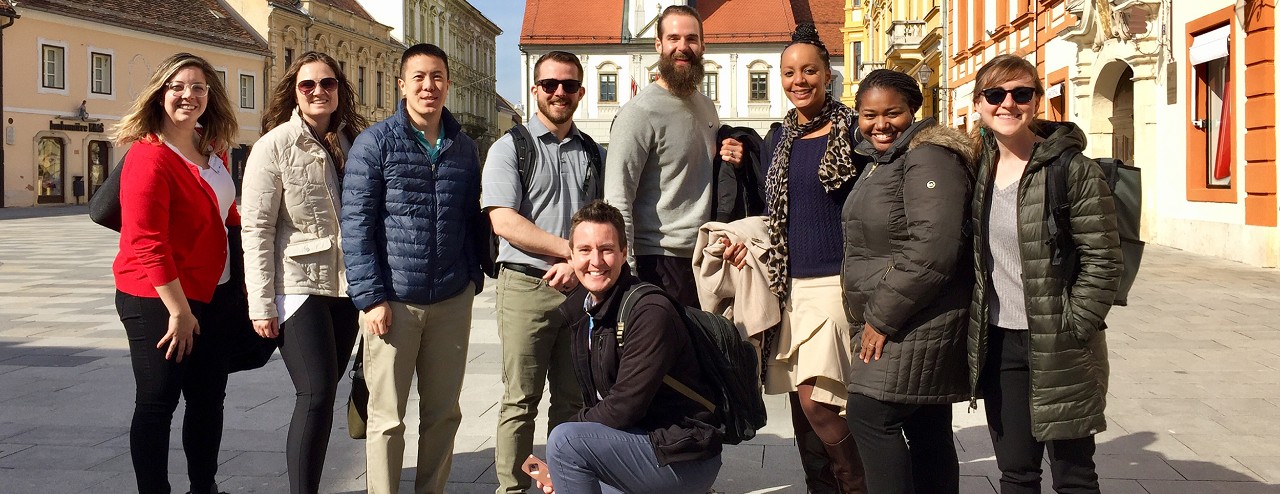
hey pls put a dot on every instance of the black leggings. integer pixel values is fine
(905, 448)
(315, 343)
(200, 379)
(1006, 388)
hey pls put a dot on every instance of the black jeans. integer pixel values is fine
(315, 343)
(1006, 387)
(673, 274)
(200, 379)
(923, 462)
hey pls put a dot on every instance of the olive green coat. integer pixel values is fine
(1066, 305)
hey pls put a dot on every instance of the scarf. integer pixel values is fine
(837, 167)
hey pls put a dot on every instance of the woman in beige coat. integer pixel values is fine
(293, 260)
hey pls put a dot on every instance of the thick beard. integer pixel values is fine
(544, 107)
(681, 82)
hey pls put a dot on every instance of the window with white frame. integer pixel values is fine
(360, 84)
(100, 73)
(53, 73)
(246, 91)
(1209, 57)
(709, 82)
(609, 88)
(759, 86)
(379, 88)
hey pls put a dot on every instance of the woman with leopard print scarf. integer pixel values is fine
(811, 170)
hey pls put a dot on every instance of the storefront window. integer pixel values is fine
(51, 161)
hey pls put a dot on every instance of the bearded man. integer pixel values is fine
(531, 215)
(666, 196)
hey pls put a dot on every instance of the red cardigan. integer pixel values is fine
(170, 225)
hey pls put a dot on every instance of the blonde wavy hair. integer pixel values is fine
(145, 118)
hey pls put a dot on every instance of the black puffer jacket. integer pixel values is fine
(1068, 347)
(906, 267)
(624, 389)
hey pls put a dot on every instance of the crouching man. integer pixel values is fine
(636, 434)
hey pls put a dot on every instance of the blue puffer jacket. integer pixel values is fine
(409, 226)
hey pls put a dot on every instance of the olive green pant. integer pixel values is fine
(430, 340)
(535, 349)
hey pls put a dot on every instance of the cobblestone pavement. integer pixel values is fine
(1193, 408)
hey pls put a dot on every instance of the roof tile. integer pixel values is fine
(207, 21)
(572, 22)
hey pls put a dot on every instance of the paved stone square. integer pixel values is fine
(1194, 405)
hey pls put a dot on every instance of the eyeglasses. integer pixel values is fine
(198, 89)
(550, 85)
(1021, 95)
(308, 86)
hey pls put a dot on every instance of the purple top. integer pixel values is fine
(816, 244)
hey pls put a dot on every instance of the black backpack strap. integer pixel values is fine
(526, 154)
(593, 181)
(629, 299)
(1057, 209)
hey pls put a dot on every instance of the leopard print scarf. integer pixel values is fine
(837, 167)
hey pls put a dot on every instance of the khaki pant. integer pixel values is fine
(535, 348)
(431, 340)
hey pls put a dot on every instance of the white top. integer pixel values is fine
(224, 188)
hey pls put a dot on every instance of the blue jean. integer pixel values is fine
(587, 457)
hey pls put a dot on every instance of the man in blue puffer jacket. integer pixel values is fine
(410, 207)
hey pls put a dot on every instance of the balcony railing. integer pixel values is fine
(905, 34)
(867, 67)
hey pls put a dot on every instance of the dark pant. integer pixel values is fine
(673, 274)
(925, 462)
(200, 379)
(1006, 387)
(315, 343)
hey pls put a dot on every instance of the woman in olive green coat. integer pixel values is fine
(1037, 350)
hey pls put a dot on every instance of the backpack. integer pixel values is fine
(729, 361)
(526, 159)
(1126, 187)
(738, 191)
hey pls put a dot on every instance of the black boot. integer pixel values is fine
(813, 453)
(846, 464)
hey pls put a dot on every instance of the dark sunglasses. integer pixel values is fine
(1021, 95)
(308, 86)
(550, 85)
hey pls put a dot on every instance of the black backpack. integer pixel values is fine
(526, 159)
(1126, 188)
(730, 363)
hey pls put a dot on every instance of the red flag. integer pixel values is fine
(1222, 158)
(633, 87)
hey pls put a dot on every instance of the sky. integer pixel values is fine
(509, 16)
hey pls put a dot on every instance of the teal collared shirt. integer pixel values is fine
(432, 151)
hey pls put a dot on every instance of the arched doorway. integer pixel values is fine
(1112, 131)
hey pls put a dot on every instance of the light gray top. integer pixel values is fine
(1008, 308)
(555, 193)
(659, 170)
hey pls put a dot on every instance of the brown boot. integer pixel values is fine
(846, 464)
(813, 453)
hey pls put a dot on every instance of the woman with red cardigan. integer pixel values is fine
(176, 199)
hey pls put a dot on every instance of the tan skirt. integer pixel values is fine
(814, 342)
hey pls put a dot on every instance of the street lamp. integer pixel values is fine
(924, 74)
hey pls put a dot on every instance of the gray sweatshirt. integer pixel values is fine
(659, 170)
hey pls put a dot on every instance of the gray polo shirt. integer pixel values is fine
(555, 193)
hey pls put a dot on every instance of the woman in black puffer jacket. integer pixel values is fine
(907, 278)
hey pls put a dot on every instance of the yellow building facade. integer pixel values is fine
(71, 74)
(854, 33)
(902, 35)
(342, 29)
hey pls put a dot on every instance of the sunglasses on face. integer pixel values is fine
(198, 89)
(549, 85)
(308, 86)
(1021, 95)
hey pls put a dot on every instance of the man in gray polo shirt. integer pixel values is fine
(533, 225)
